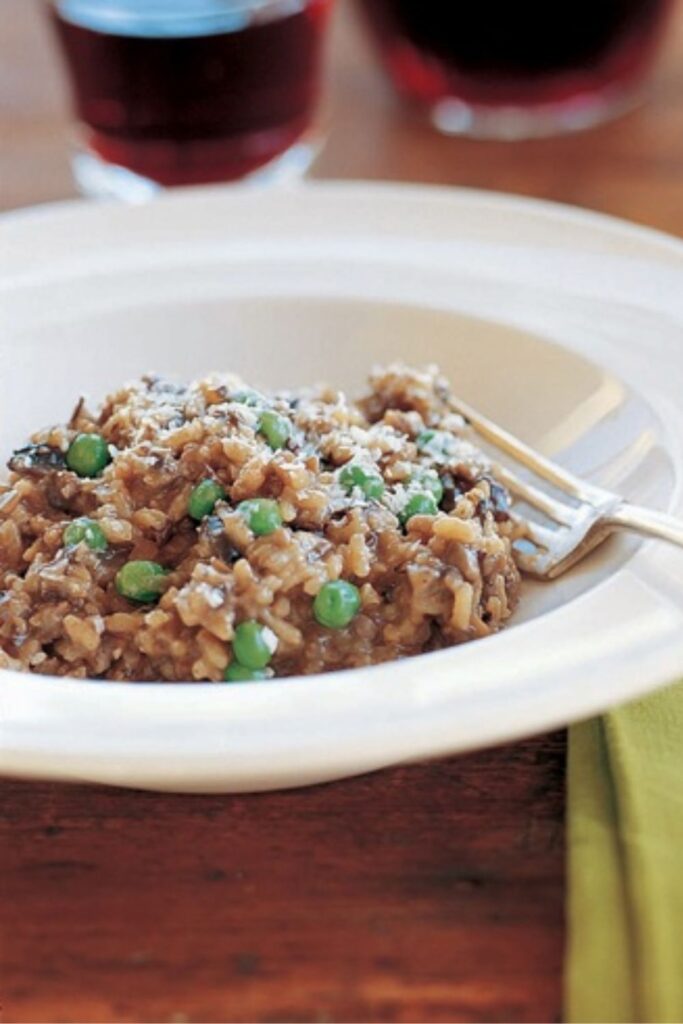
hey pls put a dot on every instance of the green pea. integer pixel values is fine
(262, 515)
(203, 498)
(424, 438)
(141, 581)
(336, 604)
(419, 505)
(275, 428)
(354, 475)
(437, 443)
(236, 673)
(85, 530)
(253, 644)
(88, 454)
(429, 480)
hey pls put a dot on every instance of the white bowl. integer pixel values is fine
(564, 326)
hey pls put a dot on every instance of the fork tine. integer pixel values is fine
(546, 504)
(541, 537)
(533, 553)
(538, 464)
(545, 553)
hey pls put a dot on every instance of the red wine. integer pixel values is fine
(182, 107)
(515, 52)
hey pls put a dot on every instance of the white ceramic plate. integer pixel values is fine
(565, 326)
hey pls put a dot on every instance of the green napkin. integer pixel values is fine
(625, 834)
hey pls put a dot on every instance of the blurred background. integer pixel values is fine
(631, 166)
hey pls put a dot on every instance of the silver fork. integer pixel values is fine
(583, 518)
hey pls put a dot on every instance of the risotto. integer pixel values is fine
(213, 532)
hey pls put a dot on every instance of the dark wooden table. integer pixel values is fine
(428, 893)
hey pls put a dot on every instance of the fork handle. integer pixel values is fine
(648, 522)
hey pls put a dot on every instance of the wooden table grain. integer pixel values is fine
(431, 892)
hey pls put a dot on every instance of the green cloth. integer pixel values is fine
(625, 836)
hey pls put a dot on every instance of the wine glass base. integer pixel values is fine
(454, 116)
(99, 179)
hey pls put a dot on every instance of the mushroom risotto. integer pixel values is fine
(214, 532)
